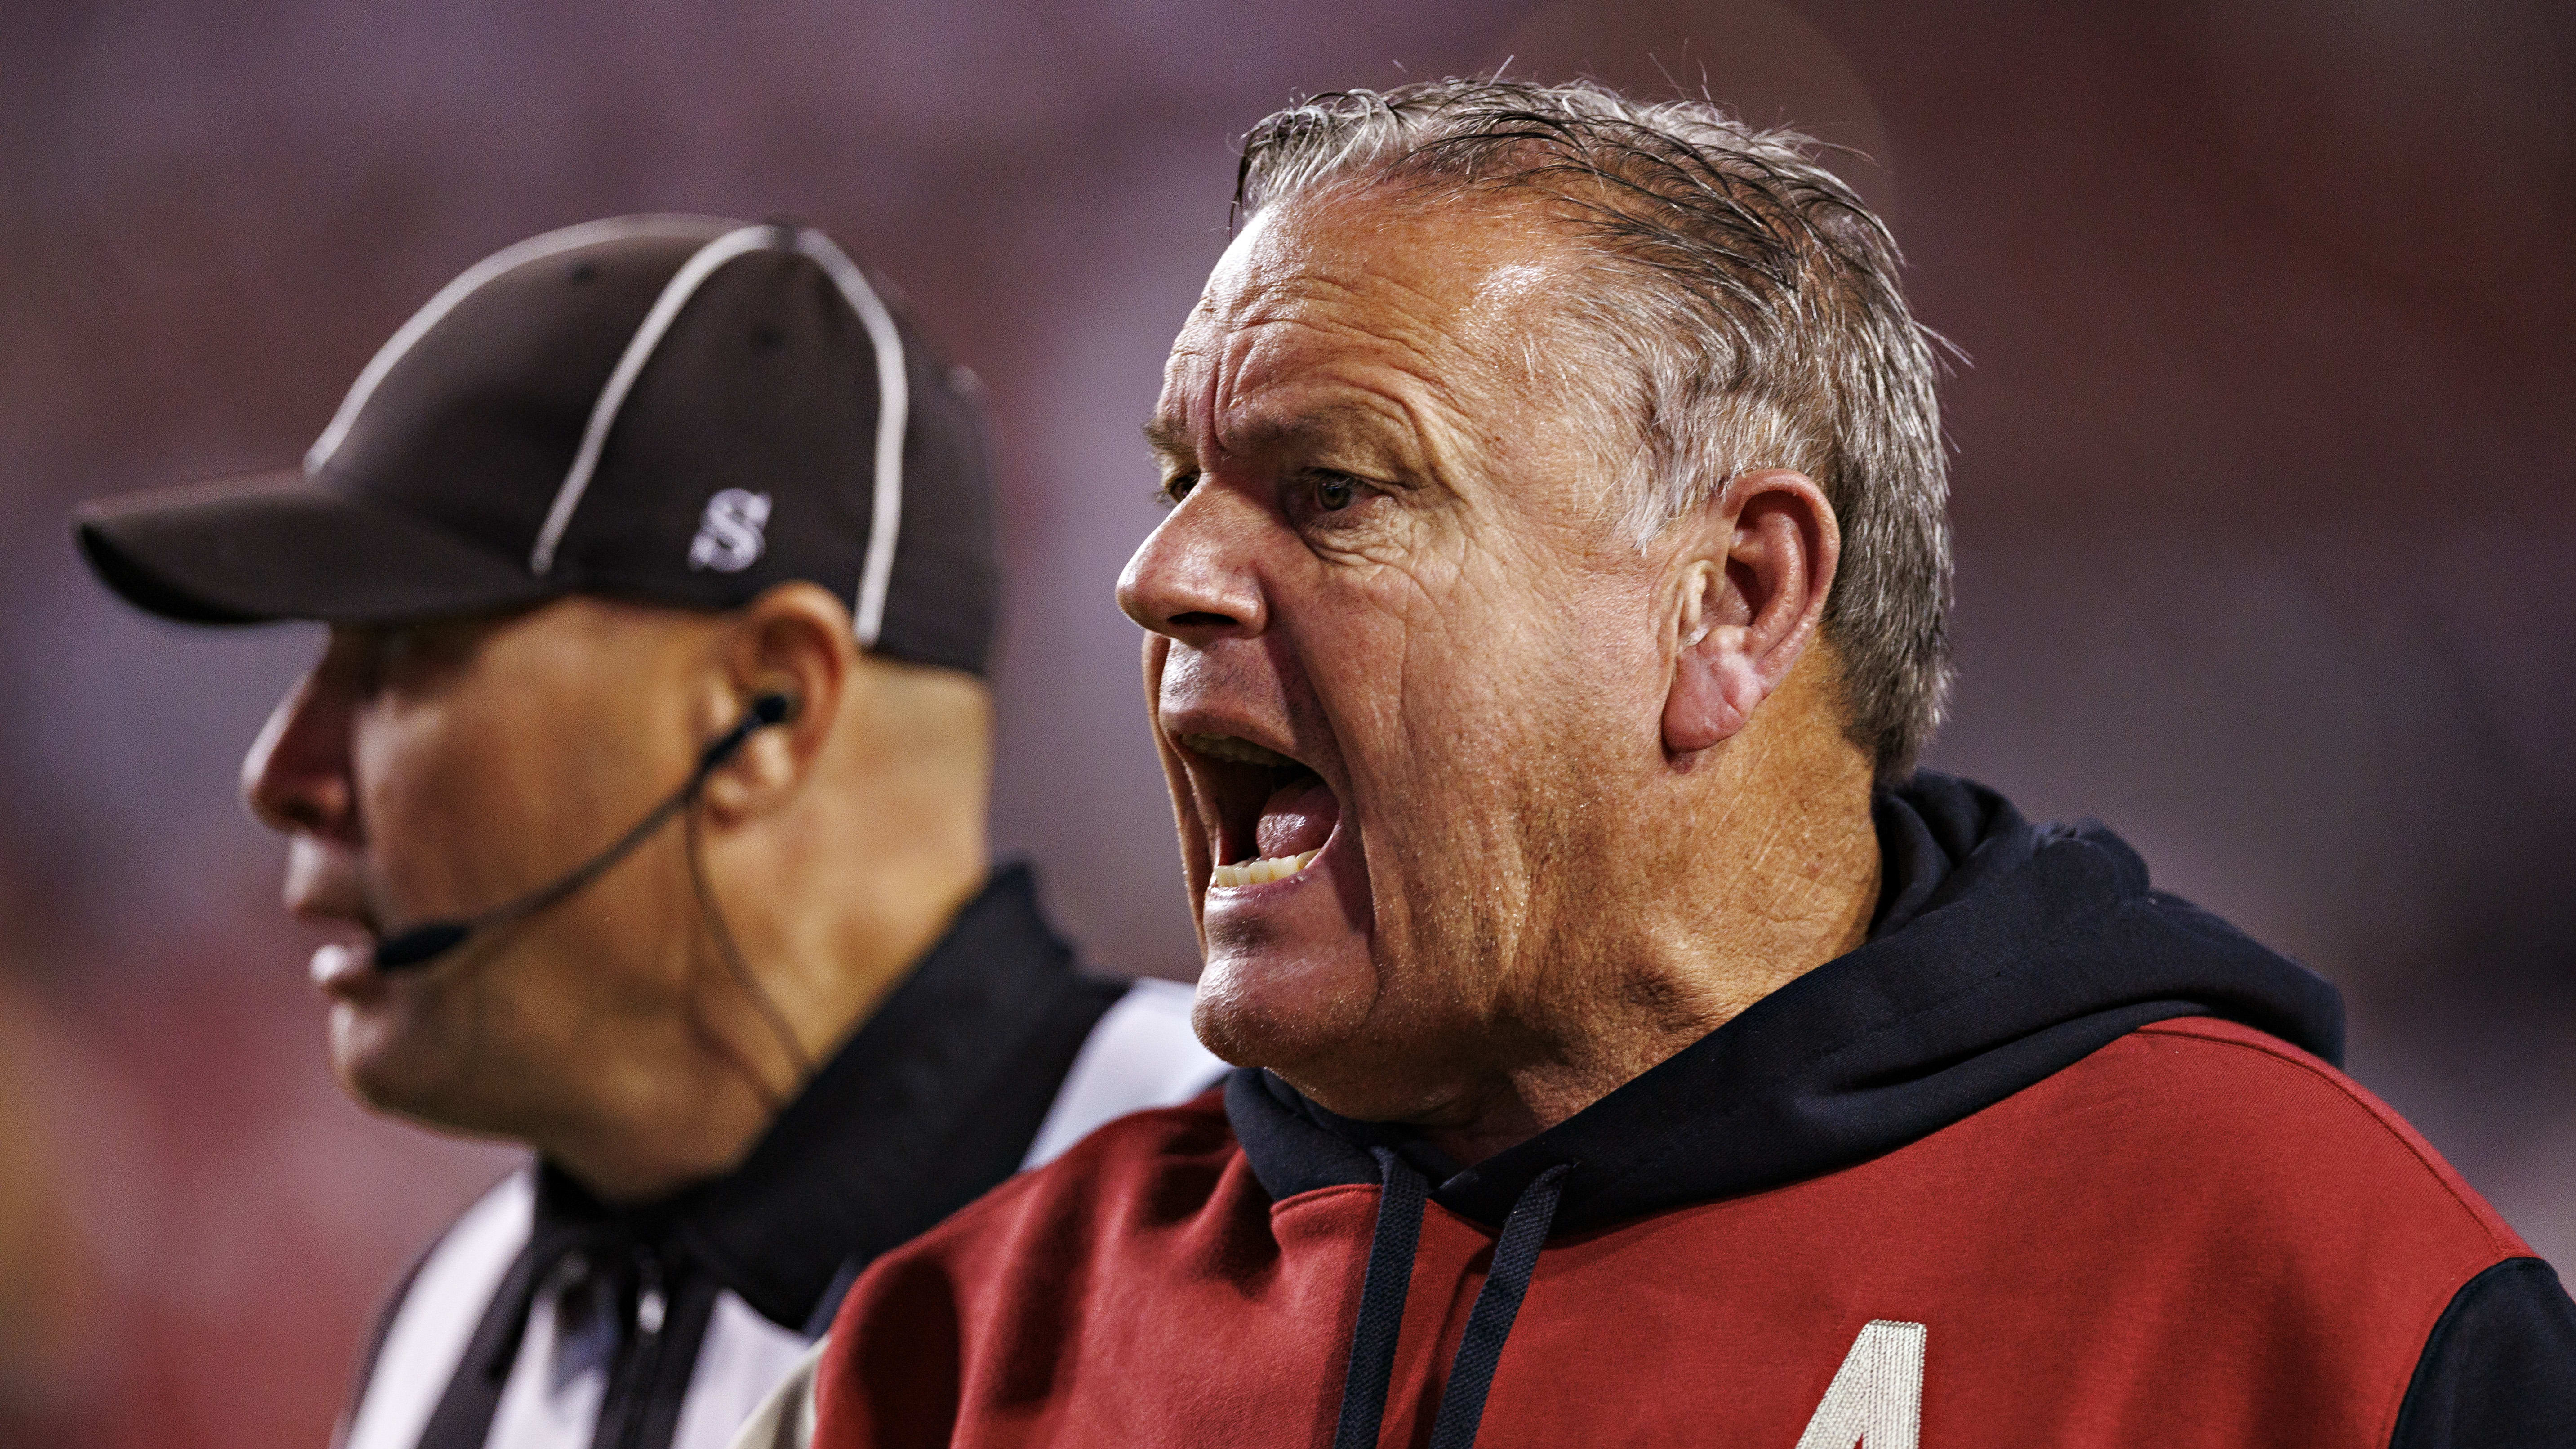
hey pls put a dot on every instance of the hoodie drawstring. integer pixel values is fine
(1471, 1373)
(1382, 1293)
(1390, 1274)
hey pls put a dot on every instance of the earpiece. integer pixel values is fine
(772, 707)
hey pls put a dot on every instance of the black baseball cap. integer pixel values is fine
(673, 409)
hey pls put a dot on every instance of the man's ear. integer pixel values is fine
(794, 639)
(1750, 596)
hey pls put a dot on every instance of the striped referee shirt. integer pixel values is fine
(544, 1319)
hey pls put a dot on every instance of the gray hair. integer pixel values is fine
(1751, 301)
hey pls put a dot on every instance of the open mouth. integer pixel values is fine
(1271, 814)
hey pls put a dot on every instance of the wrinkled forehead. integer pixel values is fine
(1439, 306)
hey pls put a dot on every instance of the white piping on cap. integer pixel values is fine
(894, 403)
(467, 283)
(684, 284)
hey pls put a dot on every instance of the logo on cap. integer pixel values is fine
(729, 534)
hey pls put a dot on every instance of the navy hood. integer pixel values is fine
(2002, 952)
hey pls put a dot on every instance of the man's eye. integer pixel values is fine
(1178, 486)
(1334, 492)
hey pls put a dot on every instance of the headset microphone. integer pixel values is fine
(426, 942)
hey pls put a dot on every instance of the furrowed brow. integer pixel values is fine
(1342, 426)
(1339, 427)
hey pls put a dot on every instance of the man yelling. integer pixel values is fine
(1634, 1048)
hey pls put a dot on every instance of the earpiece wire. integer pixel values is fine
(730, 953)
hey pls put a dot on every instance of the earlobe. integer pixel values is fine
(1714, 690)
(1701, 706)
(1745, 617)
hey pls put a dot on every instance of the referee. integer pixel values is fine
(646, 768)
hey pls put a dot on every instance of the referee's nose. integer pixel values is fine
(296, 778)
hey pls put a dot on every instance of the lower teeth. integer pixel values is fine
(1261, 872)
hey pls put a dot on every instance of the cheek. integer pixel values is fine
(1617, 669)
(458, 812)
(1500, 712)
(1466, 687)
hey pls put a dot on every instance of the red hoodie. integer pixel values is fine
(2054, 1160)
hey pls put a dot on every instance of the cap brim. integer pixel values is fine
(272, 546)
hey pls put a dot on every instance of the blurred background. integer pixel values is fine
(2265, 530)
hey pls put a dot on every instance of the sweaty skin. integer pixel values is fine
(1589, 799)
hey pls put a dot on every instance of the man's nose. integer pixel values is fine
(1192, 577)
(296, 778)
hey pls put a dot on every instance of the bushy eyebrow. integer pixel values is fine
(1168, 438)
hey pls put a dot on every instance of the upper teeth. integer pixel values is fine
(1264, 870)
(1227, 747)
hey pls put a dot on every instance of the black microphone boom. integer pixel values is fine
(426, 942)
(421, 944)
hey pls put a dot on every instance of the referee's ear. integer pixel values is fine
(794, 639)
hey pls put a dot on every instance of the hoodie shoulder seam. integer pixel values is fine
(2350, 1092)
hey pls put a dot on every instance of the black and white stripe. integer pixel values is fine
(542, 1321)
